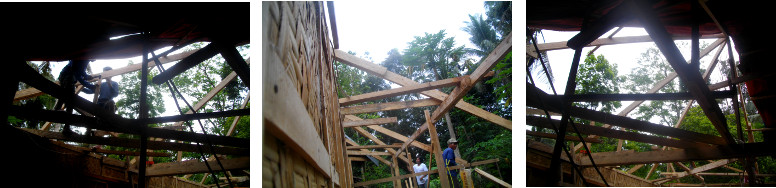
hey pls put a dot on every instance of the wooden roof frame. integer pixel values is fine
(726, 149)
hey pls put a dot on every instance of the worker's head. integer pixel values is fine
(106, 69)
(452, 143)
(417, 160)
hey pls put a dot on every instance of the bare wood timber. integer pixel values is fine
(388, 132)
(195, 166)
(568, 137)
(399, 91)
(376, 121)
(441, 166)
(33, 92)
(374, 146)
(382, 72)
(492, 178)
(352, 152)
(377, 107)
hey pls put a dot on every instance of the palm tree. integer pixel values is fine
(483, 36)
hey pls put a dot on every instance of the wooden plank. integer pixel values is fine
(382, 72)
(642, 96)
(33, 92)
(361, 159)
(703, 168)
(370, 182)
(333, 21)
(620, 120)
(374, 146)
(378, 107)
(441, 167)
(377, 95)
(390, 133)
(613, 133)
(134, 143)
(568, 137)
(691, 77)
(351, 142)
(465, 85)
(611, 41)
(677, 155)
(688, 169)
(492, 178)
(376, 121)
(285, 116)
(352, 152)
(203, 54)
(235, 61)
(717, 174)
(378, 141)
(206, 115)
(195, 166)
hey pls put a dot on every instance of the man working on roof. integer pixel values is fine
(108, 90)
(449, 156)
(74, 71)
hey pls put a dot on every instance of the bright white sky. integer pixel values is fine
(379, 26)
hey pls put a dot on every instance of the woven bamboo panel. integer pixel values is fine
(297, 32)
(170, 181)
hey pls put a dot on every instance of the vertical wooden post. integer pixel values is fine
(395, 170)
(443, 180)
(451, 129)
(143, 115)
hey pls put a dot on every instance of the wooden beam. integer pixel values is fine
(114, 152)
(195, 166)
(351, 142)
(196, 116)
(333, 21)
(688, 169)
(465, 85)
(363, 159)
(203, 54)
(235, 61)
(611, 41)
(377, 107)
(492, 178)
(378, 142)
(621, 121)
(717, 174)
(33, 92)
(374, 146)
(370, 182)
(703, 168)
(642, 96)
(399, 91)
(352, 152)
(285, 116)
(613, 133)
(677, 155)
(376, 121)
(568, 137)
(134, 143)
(441, 166)
(382, 72)
(691, 77)
(390, 133)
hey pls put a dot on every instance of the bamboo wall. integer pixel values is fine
(297, 52)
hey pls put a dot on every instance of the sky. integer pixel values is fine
(379, 26)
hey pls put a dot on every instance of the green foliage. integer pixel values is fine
(483, 36)
(435, 52)
(500, 16)
(597, 76)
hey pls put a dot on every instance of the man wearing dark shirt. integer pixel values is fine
(449, 156)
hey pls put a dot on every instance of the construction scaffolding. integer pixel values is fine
(67, 165)
(573, 165)
(304, 121)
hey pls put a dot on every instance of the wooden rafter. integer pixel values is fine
(382, 72)
(376, 121)
(554, 136)
(613, 133)
(692, 78)
(387, 132)
(377, 107)
(351, 142)
(465, 85)
(195, 166)
(399, 91)
(626, 122)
